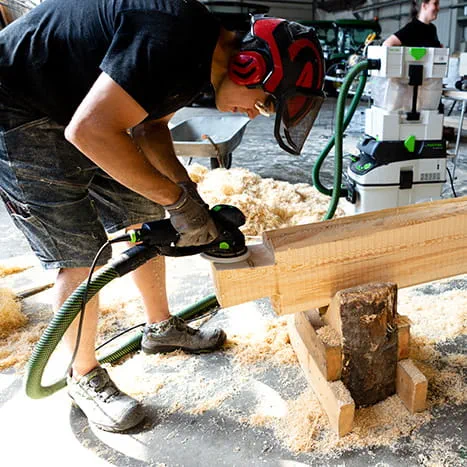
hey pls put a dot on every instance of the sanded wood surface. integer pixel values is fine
(333, 396)
(303, 267)
(411, 386)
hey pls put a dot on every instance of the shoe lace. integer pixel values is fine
(180, 325)
(103, 387)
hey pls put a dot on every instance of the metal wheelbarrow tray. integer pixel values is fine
(214, 136)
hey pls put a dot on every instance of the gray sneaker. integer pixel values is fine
(103, 403)
(174, 334)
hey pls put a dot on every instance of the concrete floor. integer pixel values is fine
(49, 431)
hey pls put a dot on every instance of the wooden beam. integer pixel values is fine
(333, 396)
(5, 15)
(303, 267)
(411, 386)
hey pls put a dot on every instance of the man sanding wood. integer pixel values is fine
(86, 92)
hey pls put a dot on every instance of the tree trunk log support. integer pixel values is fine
(364, 317)
(354, 354)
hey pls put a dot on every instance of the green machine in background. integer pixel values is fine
(340, 39)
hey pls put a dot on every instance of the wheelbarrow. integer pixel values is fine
(211, 136)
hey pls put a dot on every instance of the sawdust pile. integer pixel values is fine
(11, 317)
(328, 335)
(7, 270)
(16, 349)
(18, 334)
(447, 319)
(17, 264)
(272, 345)
(268, 204)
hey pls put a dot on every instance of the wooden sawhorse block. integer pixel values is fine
(365, 361)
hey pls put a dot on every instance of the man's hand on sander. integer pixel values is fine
(191, 219)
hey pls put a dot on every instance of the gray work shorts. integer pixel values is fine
(61, 201)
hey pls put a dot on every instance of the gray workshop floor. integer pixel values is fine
(50, 432)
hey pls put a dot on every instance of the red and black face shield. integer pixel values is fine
(295, 76)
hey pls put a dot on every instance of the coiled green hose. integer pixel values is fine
(63, 319)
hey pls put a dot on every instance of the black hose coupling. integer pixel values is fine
(374, 63)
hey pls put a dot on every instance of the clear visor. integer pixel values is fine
(295, 114)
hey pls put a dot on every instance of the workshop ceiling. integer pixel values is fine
(339, 5)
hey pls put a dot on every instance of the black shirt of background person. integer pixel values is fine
(418, 34)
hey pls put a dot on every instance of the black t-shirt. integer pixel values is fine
(159, 51)
(418, 34)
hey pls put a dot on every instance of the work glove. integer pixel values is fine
(192, 190)
(191, 219)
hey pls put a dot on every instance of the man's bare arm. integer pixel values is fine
(99, 130)
(155, 140)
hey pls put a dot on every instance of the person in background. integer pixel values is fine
(420, 32)
(86, 93)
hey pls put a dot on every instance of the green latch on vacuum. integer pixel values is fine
(409, 143)
(417, 52)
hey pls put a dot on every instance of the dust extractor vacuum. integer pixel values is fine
(402, 157)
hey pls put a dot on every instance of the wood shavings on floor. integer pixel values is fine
(299, 422)
(15, 265)
(11, 317)
(268, 204)
(17, 346)
(271, 345)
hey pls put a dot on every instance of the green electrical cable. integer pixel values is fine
(134, 343)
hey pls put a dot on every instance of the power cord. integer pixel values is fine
(121, 238)
(451, 182)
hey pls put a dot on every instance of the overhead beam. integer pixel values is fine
(303, 267)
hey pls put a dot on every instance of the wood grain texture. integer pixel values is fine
(403, 337)
(411, 386)
(328, 358)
